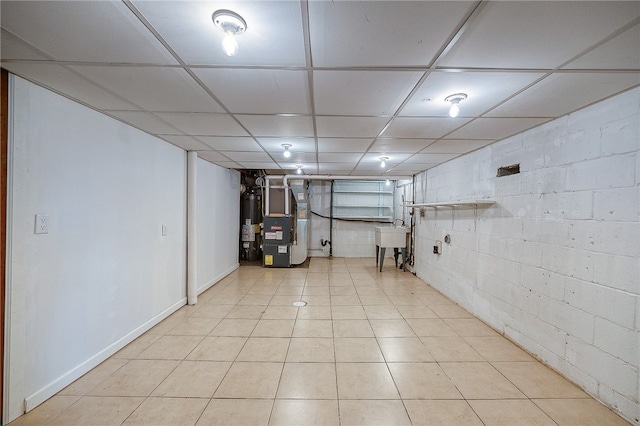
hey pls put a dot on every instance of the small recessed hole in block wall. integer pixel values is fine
(513, 169)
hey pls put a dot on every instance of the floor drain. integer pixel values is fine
(299, 303)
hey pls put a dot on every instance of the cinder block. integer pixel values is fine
(618, 272)
(622, 204)
(567, 205)
(569, 262)
(605, 172)
(574, 321)
(621, 342)
(542, 281)
(624, 105)
(621, 238)
(607, 303)
(544, 180)
(546, 230)
(621, 136)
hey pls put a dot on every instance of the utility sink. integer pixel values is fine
(390, 236)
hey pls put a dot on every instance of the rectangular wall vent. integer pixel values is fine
(513, 169)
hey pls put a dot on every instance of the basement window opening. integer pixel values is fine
(513, 169)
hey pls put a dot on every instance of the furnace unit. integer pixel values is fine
(277, 241)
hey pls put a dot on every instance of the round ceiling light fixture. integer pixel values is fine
(286, 147)
(383, 162)
(231, 23)
(455, 101)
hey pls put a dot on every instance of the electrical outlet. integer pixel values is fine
(42, 224)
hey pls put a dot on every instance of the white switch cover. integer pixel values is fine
(42, 224)
(164, 230)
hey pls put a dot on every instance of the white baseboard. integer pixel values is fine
(217, 278)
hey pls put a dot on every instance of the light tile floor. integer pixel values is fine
(369, 348)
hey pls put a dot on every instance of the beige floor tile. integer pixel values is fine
(441, 413)
(280, 312)
(318, 300)
(308, 381)
(422, 381)
(370, 412)
(246, 312)
(194, 326)
(165, 325)
(167, 411)
(234, 328)
(171, 347)
(304, 412)
(226, 412)
(273, 328)
(97, 410)
(347, 290)
(583, 412)
(391, 328)
(352, 300)
(86, 383)
(357, 349)
(217, 349)
(264, 290)
(435, 299)
(382, 312)
(450, 349)
(365, 381)
(450, 311)
(316, 291)
(313, 328)
(285, 300)
(289, 290)
(255, 299)
(430, 327)
(348, 312)
(134, 348)
(404, 349)
(470, 327)
(498, 349)
(138, 377)
(250, 380)
(375, 301)
(405, 300)
(352, 328)
(314, 313)
(45, 413)
(479, 380)
(311, 349)
(510, 412)
(213, 311)
(537, 381)
(415, 311)
(193, 379)
(264, 349)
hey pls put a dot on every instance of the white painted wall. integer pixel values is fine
(555, 263)
(104, 273)
(218, 218)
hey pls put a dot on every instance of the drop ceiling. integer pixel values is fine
(343, 82)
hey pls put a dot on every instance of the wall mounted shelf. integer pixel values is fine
(453, 203)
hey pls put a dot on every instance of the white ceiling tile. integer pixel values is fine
(145, 121)
(66, 81)
(512, 34)
(296, 158)
(339, 157)
(336, 168)
(16, 48)
(248, 91)
(237, 143)
(360, 33)
(371, 160)
(622, 51)
(293, 166)
(154, 88)
(561, 94)
(274, 126)
(495, 128)
(422, 127)
(196, 123)
(456, 146)
(225, 164)
(273, 35)
(400, 145)
(347, 127)
(257, 165)
(185, 142)
(484, 90)
(362, 92)
(343, 144)
(413, 168)
(297, 144)
(242, 156)
(213, 156)
(430, 158)
(91, 31)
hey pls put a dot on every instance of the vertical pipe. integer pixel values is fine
(266, 200)
(331, 222)
(192, 206)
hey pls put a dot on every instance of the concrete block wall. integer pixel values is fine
(555, 263)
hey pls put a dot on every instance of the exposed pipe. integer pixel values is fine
(192, 206)
(331, 223)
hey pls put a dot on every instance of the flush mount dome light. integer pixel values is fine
(231, 23)
(286, 147)
(455, 101)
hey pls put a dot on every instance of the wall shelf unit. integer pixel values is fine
(363, 200)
